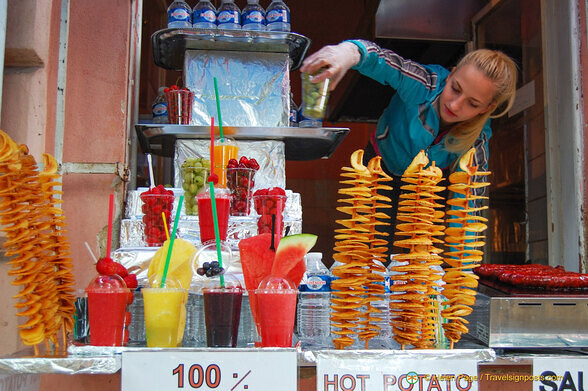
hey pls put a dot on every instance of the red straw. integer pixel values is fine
(279, 211)
(110, 217)
(211, 144)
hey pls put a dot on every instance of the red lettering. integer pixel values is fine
(342, 383)
(389, 381)
(434, 384)
(333, 383)
(401, 386)
(463, 378)
(362, 379)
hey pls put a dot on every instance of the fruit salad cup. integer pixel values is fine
(240, 181)
(269, 203)
(314, 97)
(195, 172)
(179, 105)
(156, 201)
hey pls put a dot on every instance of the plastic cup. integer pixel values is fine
(195, 172)
(266, 206)
(240, 181)
(205, 218)
(225, 149)
(314, 97)
(153, 227)
(163, 320)
(179, 106)
(107, 307)
(208, 253)
(276, 309)
(222, 311)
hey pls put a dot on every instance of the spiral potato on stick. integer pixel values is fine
(463, 238)
(38, 264)
(414, 304)
(360, 250)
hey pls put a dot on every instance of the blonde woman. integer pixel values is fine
(434, 109)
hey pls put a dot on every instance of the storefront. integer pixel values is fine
(78, 77)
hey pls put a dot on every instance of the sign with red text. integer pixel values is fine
(209, 370)
(558, 374)
(396, 374)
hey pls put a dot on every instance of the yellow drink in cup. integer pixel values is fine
(163, 307)
(225, 149)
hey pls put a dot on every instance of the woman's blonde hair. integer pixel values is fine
(502, 71)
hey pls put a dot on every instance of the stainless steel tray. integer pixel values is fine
(532, 321)
(300, 143)
(169, 45)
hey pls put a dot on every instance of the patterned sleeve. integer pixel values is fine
(415, 83)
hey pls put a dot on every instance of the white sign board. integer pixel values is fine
(209, 370)
(396, 374)
(558, 374)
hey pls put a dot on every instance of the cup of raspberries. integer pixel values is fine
(268, 203)
(156, 201)
(240, 181)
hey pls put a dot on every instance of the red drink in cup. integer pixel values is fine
(276, 309)
(222, 199)
(107, 307)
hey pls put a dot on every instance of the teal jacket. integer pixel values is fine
(410, 123)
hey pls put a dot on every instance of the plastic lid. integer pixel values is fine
(107, 282)
(208, 253)
(273, 283)
(314, 256)
(229, 283)
(161, 90)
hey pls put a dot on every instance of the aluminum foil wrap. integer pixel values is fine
(99, 361)
(133, 250)
(253, 87)
(270, 154)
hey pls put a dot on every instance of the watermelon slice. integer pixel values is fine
(256, 259)
(259, 262)
(290, 254)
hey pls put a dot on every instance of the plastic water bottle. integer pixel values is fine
(137, 326)
(204, 15)
(314, 300)
(278, 16)
(384, 338)
(253, 16)
(159, 108)
(229, 16)
(179, 15)
(195, 330)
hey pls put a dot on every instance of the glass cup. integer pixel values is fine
(314, 97)
(179, 106)
(240, 181)
(268, 206)
(222, 199)
(195, 172)
(276, 310)
(153, 226)
(222, 310)
(107, 308)
(225, 149)
(164, 326)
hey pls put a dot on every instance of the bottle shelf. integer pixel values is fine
(300, 143)
(169, 45)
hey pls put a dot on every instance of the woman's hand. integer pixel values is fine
(335, 59)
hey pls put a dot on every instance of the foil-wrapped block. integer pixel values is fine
(253, 87)
(270, 154)
(100, 360)
(240, 227)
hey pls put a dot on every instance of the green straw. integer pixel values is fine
(220, 120)
(171, 242)
(216, 231)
